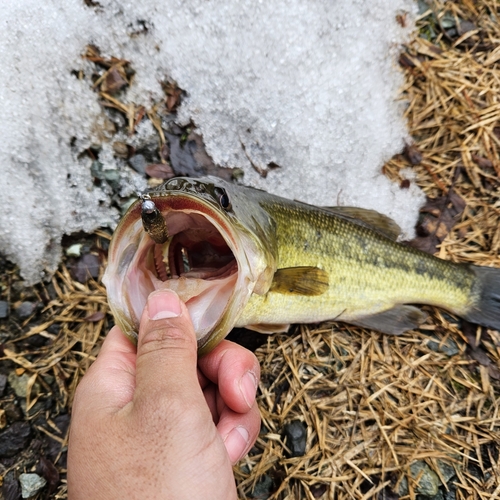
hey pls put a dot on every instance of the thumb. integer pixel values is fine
(166, 351)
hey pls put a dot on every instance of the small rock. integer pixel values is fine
(449, 347)
(448, 20)
(55, 328)
(245, 469)
(4, 309)
(96, 170)
(49, 379)
(38, 406)
(438, 496)
(465, 27)
(86, 267)
(13, 412)
(263, 488)
(116, 117)
(74, 250)
(3, 383)
(447, 470)
(403, 490)
(296, 438)
(452, 33)
(121, 149)
(48, 403)
(112, 177)
(31, 484)
(36, 340)
(20, 384)
(428, 484)
(451, 494)
(147, 145)
(53, 446)
(138, 163)
(318, 490)
(126, 203)
(26, 309)
(14, 439)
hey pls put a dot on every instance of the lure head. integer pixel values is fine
(216, 248)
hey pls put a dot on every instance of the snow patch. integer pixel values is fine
(311, 86)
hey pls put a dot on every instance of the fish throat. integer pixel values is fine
(197, 252)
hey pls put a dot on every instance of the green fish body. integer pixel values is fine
(248, 258)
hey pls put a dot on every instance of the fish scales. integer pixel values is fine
(368, 272)
(242, 257)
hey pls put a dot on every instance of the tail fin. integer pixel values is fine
(486, 310)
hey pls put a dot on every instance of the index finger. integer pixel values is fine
(236, 371)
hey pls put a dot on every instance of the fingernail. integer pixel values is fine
(248, 387)
(163, 304)
(236, 443)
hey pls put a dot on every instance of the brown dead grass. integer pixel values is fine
(372, 404)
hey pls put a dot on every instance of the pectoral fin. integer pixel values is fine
(368, 218)
(268, 329)
(300, 281)
(395, 321)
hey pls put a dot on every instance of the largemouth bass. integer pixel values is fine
(238, 256)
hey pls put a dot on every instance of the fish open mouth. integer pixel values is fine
(196, 261)
(198, 252)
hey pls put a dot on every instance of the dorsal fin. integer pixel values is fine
(368, 218)
(303, 280)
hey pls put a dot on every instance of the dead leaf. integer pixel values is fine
(190, 158)
(412, 154)
(174, 94)
(402, 19)
(438, 216)
(165, 152)
(94, 317)
(160, 170)
(470, 332)
(48, 470)
(114, 81)
(494, 372)
(478, 354)
(406, 61)
(482, 162)
(474, 349)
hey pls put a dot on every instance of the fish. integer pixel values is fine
(241, 257)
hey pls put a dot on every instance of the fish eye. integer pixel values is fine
(224, 202)
(223, 198)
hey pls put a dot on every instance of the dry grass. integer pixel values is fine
(81, 314)
(372, 404)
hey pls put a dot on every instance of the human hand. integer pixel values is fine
(147, 424)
